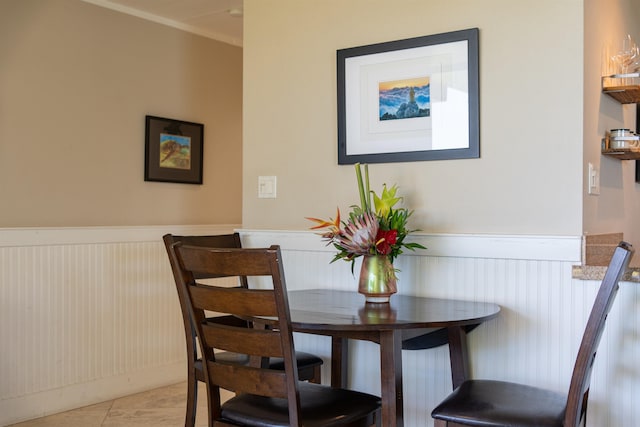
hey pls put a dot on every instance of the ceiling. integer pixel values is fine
(216, 19)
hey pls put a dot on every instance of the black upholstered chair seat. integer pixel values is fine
(321, 406)
(497, 403)
(303, 360)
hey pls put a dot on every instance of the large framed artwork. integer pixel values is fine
(173, 150)
(409, 100)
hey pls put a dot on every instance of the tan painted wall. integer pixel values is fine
(76, 81)
(529, 177)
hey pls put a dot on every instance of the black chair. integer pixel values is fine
(498, 403)
(265, 397)
(309, 365)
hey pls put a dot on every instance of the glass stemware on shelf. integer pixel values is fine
(627, 60)
(623, 67)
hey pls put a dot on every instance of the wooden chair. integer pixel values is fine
(309, 365)
(498, 403)
(264, 396)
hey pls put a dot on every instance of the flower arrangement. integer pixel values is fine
(372, 228)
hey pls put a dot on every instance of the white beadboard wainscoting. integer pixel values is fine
(86, 315)
(89, 314)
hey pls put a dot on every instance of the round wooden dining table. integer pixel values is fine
(405, 321)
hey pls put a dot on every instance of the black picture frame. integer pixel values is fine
(445, 70)
(173, 150)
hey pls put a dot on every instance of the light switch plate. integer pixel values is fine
(266, 187)
(593, 180)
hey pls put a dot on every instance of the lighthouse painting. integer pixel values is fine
(404, 99)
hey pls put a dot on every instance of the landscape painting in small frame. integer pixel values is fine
(173, 150)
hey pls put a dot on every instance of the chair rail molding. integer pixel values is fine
(42, 236)
(495, 246)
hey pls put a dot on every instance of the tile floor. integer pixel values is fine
(162, 407)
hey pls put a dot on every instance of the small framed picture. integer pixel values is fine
(173, 150)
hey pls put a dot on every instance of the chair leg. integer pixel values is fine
(313, 374)
(192, 399)
(443, 423)
(317, 375)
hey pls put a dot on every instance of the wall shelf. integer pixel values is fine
(624, 88)
(623, 153)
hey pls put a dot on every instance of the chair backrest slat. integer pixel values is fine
(211, 241)
(221, 262)
(247, 379)
(247, 302)
(250, 341)
(580, 379)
